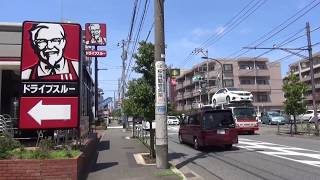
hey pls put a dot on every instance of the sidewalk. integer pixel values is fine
(115, 159)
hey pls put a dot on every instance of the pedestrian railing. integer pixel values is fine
(143, 135)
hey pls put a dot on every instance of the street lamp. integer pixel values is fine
(222, 85)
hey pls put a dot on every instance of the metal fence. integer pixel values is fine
(303, 128)
(144, 135)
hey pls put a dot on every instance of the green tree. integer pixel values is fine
(140, 101)
(294, 104)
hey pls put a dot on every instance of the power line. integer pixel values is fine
(230, 25)
(287, 22)
(248, 13)
(137, 37)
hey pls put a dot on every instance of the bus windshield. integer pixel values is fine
(217, 119)
(244, 112)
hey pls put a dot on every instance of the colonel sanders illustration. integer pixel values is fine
(95, 33)
(48, 42)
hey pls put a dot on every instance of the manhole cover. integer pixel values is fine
(189, 175)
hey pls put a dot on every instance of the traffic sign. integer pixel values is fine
(50, 87)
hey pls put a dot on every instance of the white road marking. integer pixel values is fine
(173, 128)
(282, 151)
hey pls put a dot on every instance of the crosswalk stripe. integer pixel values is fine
(282, 151)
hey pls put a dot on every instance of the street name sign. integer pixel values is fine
(50, 83)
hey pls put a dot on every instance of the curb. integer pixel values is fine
(177, 171)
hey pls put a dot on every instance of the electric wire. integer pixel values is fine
(286, 24)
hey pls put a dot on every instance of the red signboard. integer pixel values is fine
(48, 112)
(50, 61)
(96, 34)
(98, 53)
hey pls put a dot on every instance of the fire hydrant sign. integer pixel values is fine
(50, 85)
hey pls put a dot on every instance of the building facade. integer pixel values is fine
(258, 76)
(302, 69)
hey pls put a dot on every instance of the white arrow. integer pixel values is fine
(42, 112)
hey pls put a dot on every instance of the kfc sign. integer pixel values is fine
(50, 75)
(96, 34)
(93, 53)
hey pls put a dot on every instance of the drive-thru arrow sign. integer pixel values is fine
(41, 112)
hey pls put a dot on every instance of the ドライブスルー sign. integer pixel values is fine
(50, 61)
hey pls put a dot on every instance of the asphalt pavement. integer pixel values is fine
(264, 155)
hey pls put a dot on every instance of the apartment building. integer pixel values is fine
(301, 68)
(256, 75)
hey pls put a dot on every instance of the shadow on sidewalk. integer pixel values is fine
(100, 166)
(103, 145)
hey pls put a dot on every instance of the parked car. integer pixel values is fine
(228, 95)
(172, 120)
(209, 128)
(273, 117)
(308, 116)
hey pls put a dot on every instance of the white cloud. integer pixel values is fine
(200, 32)
(219, 30)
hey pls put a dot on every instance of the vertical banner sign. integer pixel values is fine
(49, 92)
(160, 86)
(96, 34)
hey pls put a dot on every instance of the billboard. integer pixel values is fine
(96, 34)
(50, 58)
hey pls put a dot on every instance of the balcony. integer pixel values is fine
(195, 92)
(187, 82)
(179, 108)
(187, 94)
(179, 86)
(255, 87)
(252, 72)
(179, 97)
(187, 107)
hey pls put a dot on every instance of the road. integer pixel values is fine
(264, 155)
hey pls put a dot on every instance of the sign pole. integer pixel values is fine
(96, 83)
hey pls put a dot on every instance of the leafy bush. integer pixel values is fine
(7, 144)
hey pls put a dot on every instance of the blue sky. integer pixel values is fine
(188, 24)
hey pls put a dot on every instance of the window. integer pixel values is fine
(262, 81)
(261, 66)
(246, 81)
(193, 120)
(212, 82)
(217, 119)
(245, 66)
(211, 67)
(262, 98)
(227, 68)
(228, 82)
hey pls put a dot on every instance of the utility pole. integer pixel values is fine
(314, 105)
(206, 54)
(309, 49)
(123, 79)
(161, 95)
